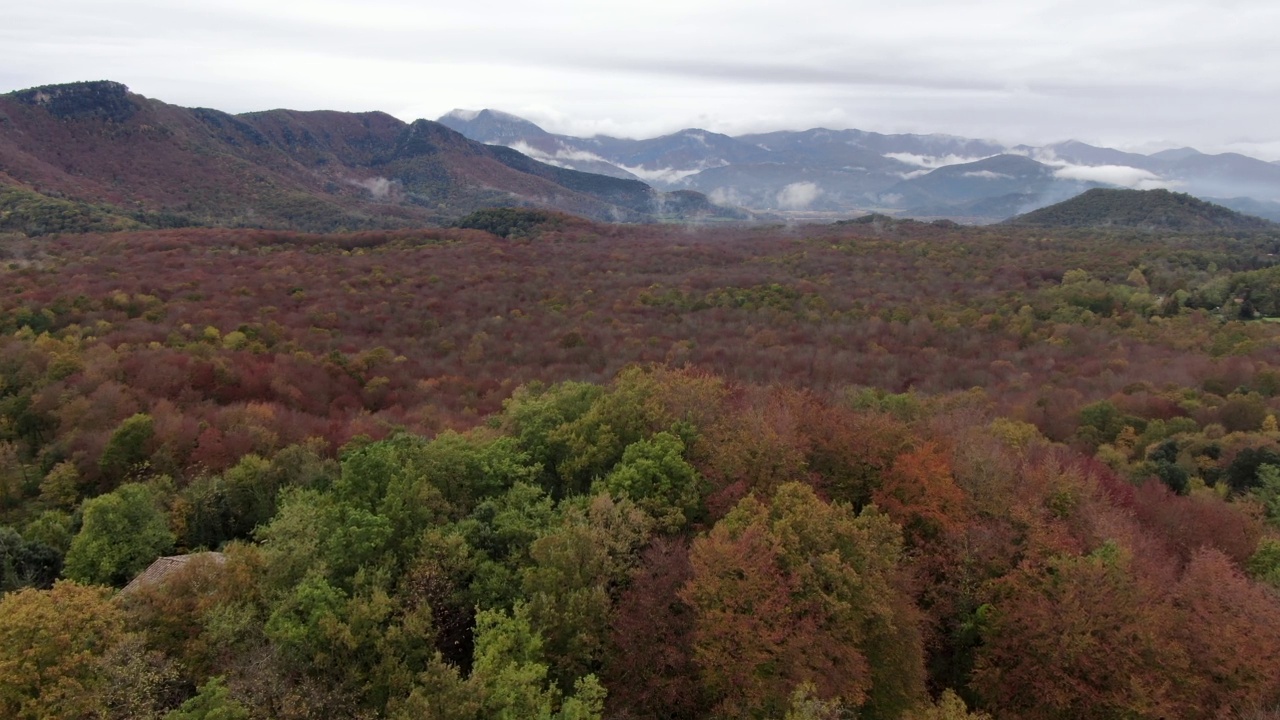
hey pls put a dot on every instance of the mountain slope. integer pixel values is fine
(494, 127)
(990, 189)
(1142, 209)
(147, 162)
(1079, 153)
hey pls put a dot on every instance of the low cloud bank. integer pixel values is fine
(663, 175)
(933, 162)
(1122, 175)
(798, 195)
(559, 157)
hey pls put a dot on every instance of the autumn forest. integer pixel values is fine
(533, 466)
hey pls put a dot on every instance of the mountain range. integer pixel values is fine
(93, 155)
(844, 171)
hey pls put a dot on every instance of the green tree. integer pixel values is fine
(1267, 492)
(26, 562)
(534, 415)
(128, 447)
(1264, 566)
(123, 532)
(510, 677)
(315, 533)
(502, 530)
(213, 702)
(60, 488)
(654, 474)
(570, 584)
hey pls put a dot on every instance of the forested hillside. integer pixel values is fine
(537, 467)
(1153, 210)
(93, 156)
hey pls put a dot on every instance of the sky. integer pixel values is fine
(1135, 74)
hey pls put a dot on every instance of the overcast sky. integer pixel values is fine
(1139, 74)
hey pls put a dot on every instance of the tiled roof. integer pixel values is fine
(161, 568)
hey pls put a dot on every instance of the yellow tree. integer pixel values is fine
(50, 645)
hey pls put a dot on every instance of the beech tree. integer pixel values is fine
(1231, 628)
(1081, 637)
(798, 591)
(650, 669)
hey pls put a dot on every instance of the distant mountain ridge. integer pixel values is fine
(844, 171)
(95, 155)
(1143, 210)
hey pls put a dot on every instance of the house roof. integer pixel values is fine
(162, 567)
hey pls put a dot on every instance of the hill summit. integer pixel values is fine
(1141, 209)
(94, 156)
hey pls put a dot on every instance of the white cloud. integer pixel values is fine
(667, 175)
(463, 115)
(915, 173)
(379, 187)
(988, 175)
(561, 154)
(1122, 175)
(726, 196)
(798, 195)
(932, 162)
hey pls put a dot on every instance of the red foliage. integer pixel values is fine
(649, 670)
(1201, 520)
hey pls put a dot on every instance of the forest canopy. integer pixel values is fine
(877, 470)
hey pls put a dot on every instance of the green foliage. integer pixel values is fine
(301, 623)
(654, 473)
(26, 562)
(806, 705)
(534, 415)
(233, 504)
(1264, 566)
(570, 583)
(122, 533)
(34, 214)
(212, 702)
(128, 446)
(511, 679)
(502, 530)
(1244, 474)
(313, 533)
(1102, 422)
(52, 528)
(61, 486)
(507, 222)
(388, 479)
(1267, 492)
